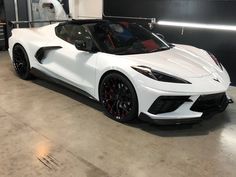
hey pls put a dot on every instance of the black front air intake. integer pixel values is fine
(211, 103)
(165, 104)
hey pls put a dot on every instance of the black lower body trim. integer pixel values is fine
(146, 118)
(44, 76)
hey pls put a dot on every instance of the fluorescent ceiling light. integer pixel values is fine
(197, 25)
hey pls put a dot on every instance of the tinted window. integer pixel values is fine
(126, 38)
(72, 32)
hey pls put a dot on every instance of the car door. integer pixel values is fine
(69, 64)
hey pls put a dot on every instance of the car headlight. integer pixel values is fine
(159, 76)
(216, 60)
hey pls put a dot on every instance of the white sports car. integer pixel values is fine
(131, 71)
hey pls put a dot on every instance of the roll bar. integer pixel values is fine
(15, 24)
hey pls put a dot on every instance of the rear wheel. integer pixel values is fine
(21, 62)
(118, 97)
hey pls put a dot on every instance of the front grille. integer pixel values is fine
(211, 103)
(164, 104)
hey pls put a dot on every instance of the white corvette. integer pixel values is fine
(131, 71)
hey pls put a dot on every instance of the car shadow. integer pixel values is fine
(209, 124)
(69, 93)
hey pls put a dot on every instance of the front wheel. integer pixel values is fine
(118, 97)
(21, 62)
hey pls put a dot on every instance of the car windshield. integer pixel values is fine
(126, 38)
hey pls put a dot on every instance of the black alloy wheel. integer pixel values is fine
(118, 97)
(21, 62)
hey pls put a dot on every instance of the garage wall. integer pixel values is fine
(86, 8)
(9, 11)
(9, 7)
(66, 6)
(2, 11)
(221, 43)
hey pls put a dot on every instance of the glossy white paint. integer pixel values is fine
(84, 70)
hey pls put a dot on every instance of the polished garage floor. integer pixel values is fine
(46, 130)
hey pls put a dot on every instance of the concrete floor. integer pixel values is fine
(46, 130)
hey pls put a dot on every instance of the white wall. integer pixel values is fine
(86, 8)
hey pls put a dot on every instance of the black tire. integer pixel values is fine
(118, 97)
(21, 62)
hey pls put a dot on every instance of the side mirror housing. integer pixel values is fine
(80, 45)
(85, 46)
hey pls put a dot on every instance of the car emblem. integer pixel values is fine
(217, 80)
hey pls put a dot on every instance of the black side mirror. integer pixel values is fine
(81, 45)
(160, 35)
(87, 46)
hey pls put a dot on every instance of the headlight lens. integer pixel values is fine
(216, 60)
(160, 76)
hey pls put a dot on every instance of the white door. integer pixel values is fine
(70, 64)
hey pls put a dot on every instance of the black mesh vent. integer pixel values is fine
(211, 103)
(164, 104)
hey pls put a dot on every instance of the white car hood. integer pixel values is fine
(184, 61)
